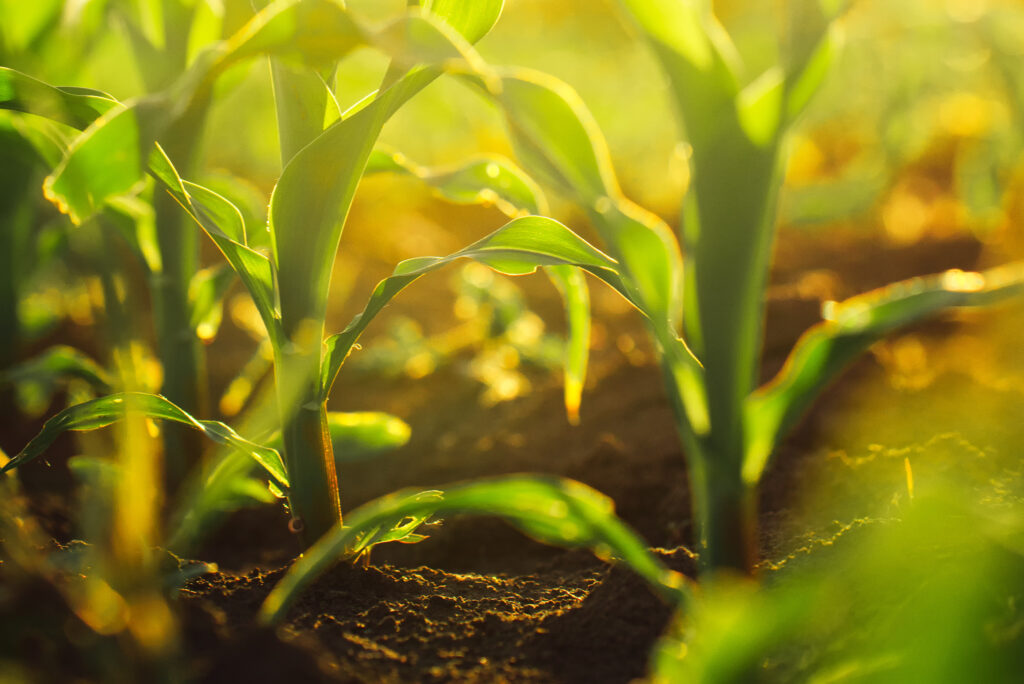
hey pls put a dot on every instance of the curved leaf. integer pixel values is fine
(849, 328)
(56, 364)
(552, 510)
(517, 248)
(309, 206)
(112, 408)
(76, 107)
(485, 180)
(495, 180)
(558, 141)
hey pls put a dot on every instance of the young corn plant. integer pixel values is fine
(704, 301)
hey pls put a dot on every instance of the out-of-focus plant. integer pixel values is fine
(877, 607)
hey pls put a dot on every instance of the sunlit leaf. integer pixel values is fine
(312, 198)
(484, 180)
(849, 328)
(112, 408)
(558, 141)
(552, 510)
(517, 248)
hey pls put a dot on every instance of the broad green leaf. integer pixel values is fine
(76, 107)
(300, 100)
(517, 248)
(849, 328)
(485, 180)
(312, 198)
(729, 212)
(471, 18)
(552, 510)
(112, 408)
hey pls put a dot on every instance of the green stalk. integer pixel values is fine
(313, 494)
(314, 498)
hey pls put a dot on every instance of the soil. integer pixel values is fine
(478, 601)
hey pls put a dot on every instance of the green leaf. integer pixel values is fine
(552, 510)
(55, 366)
(559, 142)
(517, 248)
(108, 158)
(112, 408)
(224, 224)
(729, 212)
(76, 107)
(361, 435)
(485, 180)
(495, 180)
(471, 18)
(572, 286)
(312, 198)
(206, 293)
(849, 328)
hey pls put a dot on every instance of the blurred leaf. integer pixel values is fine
(357, 436)
(50, 370)
(360, 435)
(555, 511)
(559, 142)
(206, 294)
(111, 409)
(471, 18)
(517, 248)
(486, 180)
(849, 328)
(572, 286)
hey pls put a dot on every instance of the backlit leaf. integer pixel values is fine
(849, 328)
(517, 248)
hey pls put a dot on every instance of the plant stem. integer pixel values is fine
(723, 505)
(725, 509)
(313, 494)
